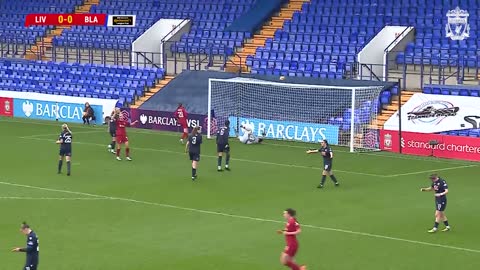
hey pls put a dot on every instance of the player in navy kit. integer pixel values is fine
(112, 129)
(440, 187)
(193, 148)
(32, 249)
(327, 154)
(65, 141)
(223, 147)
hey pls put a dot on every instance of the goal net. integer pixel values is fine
(296, 112)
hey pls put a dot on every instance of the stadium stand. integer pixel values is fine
(454, 90)
(306, 39)
(323, 39)
(107, 82)
(431, 47)
(209, 19)
(12, 20)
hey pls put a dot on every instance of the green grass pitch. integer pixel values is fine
(147, 214)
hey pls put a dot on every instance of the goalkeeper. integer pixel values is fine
(247, 136)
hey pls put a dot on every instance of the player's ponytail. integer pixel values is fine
(195, 131)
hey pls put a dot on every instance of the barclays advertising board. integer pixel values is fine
(286, 130)
(49, 110)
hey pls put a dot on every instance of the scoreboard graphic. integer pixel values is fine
(80, 19)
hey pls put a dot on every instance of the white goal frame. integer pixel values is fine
(353, 93)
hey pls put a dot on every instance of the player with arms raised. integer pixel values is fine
(327, 154)
(440, 187)
(121, 133)
(292, 229)
(193, 148)
(65, 141)
(181, 116)
(223, 147)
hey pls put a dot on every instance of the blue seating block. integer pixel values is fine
(111, 82)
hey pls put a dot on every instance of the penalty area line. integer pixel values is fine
(208, 212)
(171, 134)
(208, 156)
(431, 171)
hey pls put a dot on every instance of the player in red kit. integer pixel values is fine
(121, 133)
(292, 229)
(181, 116)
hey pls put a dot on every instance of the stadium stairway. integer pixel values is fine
(388, 110)
(152, 91)
(267, 31)
(45, 43)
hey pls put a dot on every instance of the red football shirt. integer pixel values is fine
(181, 115)
(292, 226)
(121, 127)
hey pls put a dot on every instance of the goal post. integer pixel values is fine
(297, 112)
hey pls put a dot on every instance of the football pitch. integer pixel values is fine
(147, 214)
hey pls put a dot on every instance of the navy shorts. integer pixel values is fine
(327, 167)
(113, 134)
(223, 148)
(65, 152)
(441, 205)
(194, 156)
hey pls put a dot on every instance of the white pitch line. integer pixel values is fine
(244, 217)
(237, 159)
(52, 198)
(431, 171)
(171, 134)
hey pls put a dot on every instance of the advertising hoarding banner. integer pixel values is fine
(427, 113)
(412, 143)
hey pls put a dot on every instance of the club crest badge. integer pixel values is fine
(387, 140)
(7, 106)
(457, 27)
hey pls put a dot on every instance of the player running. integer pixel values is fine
(248, 137)
(292, 229)
(121, 134)
(181, 116)
(65, 141)
(223, 147)
(193, 148)
(327, 154)
(31, 250)
(440, 187)
(112, 129)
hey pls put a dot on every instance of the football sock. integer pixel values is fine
(324, 177)
(435, 225)
(219, 162)
(127, 151)
(227, 159)
(60, 162)
(118, 152)
(194, 172)
(334, 179)
(68, 167)
(292, 265)
(446, 223)
(113, 144)
(184, 135)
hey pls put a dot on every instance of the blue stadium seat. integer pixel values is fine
(111, 82)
